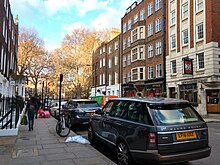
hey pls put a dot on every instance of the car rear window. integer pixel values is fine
(87, 104)
(173, 114)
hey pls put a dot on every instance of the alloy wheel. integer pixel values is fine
(123, 154)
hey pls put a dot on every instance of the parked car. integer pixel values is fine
(81, 110)
(159, 130)
(54, 109)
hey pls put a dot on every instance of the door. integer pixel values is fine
(212, 98)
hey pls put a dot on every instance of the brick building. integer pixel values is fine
(193, 53)
(142, 48)
(105, 64)
(8, 49)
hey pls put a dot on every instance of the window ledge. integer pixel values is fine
(185, 45)
(200, 70)
(200, 40)
(172, 25)
(198, 12)
(173, 75)
(184, 19)
(173, 49)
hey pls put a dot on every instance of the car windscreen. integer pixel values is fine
(173, 114)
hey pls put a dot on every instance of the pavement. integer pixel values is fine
(43, 146)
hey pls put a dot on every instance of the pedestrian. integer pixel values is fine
(30, 111)
(38, 105)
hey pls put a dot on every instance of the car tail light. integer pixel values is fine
(152, 141)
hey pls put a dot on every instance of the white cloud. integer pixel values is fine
(68, 28)
(81, 6)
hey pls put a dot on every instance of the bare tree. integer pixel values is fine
(32, 57)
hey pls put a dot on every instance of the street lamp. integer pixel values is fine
(61, 79)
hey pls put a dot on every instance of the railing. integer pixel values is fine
(10, 108)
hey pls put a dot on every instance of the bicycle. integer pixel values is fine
(63, 125)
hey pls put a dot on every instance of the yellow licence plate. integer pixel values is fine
(185, 135)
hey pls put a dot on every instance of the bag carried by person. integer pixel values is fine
(24, 120)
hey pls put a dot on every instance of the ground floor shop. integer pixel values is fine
(203, 93)
(151, 88)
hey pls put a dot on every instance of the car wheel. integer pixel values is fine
(91, 136)
(123, 154)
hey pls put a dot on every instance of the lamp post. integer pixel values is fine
(61, 79)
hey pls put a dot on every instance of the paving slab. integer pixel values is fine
(43, 146)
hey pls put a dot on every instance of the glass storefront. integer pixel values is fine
(189, 92)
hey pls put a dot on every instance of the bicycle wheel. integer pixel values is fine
(63, 131)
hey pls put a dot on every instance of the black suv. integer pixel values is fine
(80, 110)
(160, 130)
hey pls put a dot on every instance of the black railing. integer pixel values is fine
(10, 108)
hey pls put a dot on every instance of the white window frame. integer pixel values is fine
(103, 63)
(150, 72)
(141, 53)
(173, 41)
(100, 63)
(141, 32)
(116, 45)
(158, 5)
(124, 27)
(185, 10)
(200, 31)
(150, 9)
(142, 15)
(129, 59)
(158, 46)
(124, 61)
(173, 67)
(134, 53)
(116, 78)
(129, 24)
(185, 37)
(129, 41)
(109, 79)
(124, 43)
(134, 34)
(100, 79)
(158, 70)
(124, 78)
(136, 18)
(200, 64)
(172, 17)
(150, 51)
(116, 60)
(103, 78)
(138, 73)
(150, 29)
(199, 5)
(110, 63)
(158, 25)
(129, 77)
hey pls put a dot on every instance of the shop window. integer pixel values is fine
(212, 97)
(189, 92)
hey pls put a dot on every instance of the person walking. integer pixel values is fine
(38, 105)
(30, 111)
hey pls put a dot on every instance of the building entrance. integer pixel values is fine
(212, 98)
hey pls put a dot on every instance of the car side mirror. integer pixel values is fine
(99, 112)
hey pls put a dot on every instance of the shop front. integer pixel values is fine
(153, 89)
(212, 99)
(189, 92)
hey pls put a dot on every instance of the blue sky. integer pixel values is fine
(55, 18)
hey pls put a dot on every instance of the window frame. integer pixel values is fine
(200, 32)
